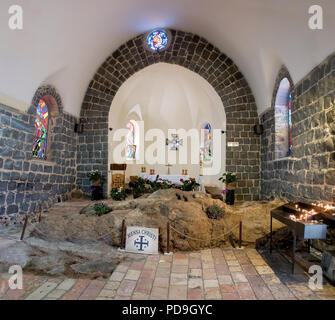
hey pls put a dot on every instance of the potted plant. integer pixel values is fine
(118, 194)
(189, 185)
(96, 179)
(230, 180)
(138, 186)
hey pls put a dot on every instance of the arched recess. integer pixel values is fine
(54, 103)
(282, 97)
(169, 97)
(196, 54)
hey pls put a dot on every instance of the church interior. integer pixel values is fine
(177, 150)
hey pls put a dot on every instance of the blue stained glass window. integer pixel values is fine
(157, 40)
(208, 143)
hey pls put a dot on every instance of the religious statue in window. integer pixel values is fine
(131, 145)
(41, 130)
(208, 142)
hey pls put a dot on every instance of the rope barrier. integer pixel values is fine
(202, 240)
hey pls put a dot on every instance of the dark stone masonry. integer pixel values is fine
(26, 182)
(198, 55)
(309, 173)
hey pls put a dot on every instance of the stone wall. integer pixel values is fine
(198, 55)
(26, 182)
(309, 173)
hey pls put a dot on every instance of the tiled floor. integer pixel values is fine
(228, 274)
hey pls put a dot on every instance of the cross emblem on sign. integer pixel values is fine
(140, 243)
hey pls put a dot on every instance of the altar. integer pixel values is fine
(175, 179)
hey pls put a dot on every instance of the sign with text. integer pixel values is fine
(142, 240)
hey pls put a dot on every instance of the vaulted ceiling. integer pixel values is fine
(64, 42)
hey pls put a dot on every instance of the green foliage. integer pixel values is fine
(94, 175)
(159, 184)
(118, 195)
(100, 209)
(228, 177)
(215, 212)
(138, 186)
(188, 185)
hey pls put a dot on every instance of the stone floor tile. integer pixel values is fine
(235, 269)
(144, 286)
(245, 291)
(76, 290)
(195, 283)
(230, 296)
(132, 275)
(148, 274)
(228, 288)
(107, 293)
(194, 263)
(180, 262)
(178, 279)
(42, 291)
(195, 273)
(195, 294)
(158, 293)
(264, 270)
(209, 274)
(179, 269)
(255, 280)
(122, 268)
(140, 296)
(239, 277)
(262, 292)
(222, 269)
(212, 294)
(126, 288)
(56, 294)
(92, 290)
(117, 276)
(112, 285)
(211, 283)
(67, 284)
(225, 280)
(178, 292)
(249, 270)
(161, 282)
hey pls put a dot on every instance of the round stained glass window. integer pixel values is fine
(157, 40)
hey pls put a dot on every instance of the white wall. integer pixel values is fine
(64, 42)
(167, 96)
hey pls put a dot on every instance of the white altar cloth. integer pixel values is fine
(174, 178)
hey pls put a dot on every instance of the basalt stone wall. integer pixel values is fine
(309, 173)
(25, 182)
(198, 55)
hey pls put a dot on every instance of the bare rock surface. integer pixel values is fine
(71, 240)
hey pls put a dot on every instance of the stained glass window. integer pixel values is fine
(41, 130)
(131, 136)
(283, 120)
(290, 121)
(157, 40)
(208, 142)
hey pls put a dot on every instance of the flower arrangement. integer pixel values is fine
(189, 185)
(94, 175)
(159, 184)
(228, 178)
(100, 209)
(118, 194)
(215, 212)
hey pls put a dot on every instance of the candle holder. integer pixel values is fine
(152, 172)
(143, 169)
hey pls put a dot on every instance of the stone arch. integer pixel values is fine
(196, 54)
(283, 73)
(55, 108)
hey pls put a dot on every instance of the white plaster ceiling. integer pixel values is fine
(64, 42)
